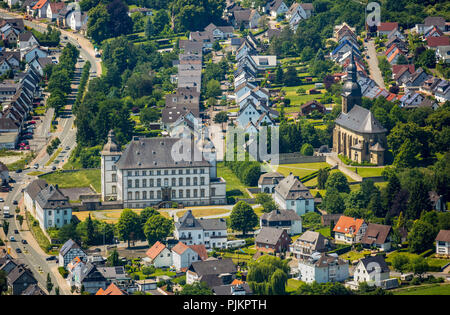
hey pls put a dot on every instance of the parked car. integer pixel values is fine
(27, 147)
(32, 122)
(12, 239)
(67, 148)
(15, 202)
(2, 200)
(36, 166)
(19, 171)
(53, 168)
(50, 258)
(18, 250)
(24, 242)
(16, 231)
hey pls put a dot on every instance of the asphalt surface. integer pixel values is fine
(375, 72)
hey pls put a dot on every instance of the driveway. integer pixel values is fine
(375, 72)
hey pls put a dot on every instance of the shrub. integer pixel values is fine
(148, 270)
(64, 273)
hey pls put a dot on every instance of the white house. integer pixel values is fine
(291, 194)
(76, 19)
(184, 256)
(41, 8)
(159, 255)
(53, 9)
(210, 232)
(268, 181)
(69, 251)
(373, 270)
(443, 243)
(309, 243)
(323, 268)
(27, 40)
(276, 7)
(282, 219)
(32, 52)
(4, 67)
(349, 230)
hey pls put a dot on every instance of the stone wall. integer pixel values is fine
(296, 157)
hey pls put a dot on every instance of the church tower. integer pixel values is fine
(351, 92)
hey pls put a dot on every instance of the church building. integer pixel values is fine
(357, 133)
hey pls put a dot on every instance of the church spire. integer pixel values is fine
(351, 92)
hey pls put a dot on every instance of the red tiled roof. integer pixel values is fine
(200, 250)
(180, 248)
(390, 49)
(154, 251)
(391, 97)
(40, 4)
(438, 41)
(398, 69)
(345, 223)
(112, 289)
(57, 6)
(387, 26)
(395, 53)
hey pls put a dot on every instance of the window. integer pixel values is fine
(113, 178)
(195, 193)
(114, 189)
(202, 181)
(188, 171)
(202, 171)
(174, 172)
(130, 183)
(151, 182)
(174, 181)
(195, 171)
(144, 183)
(202, 193)
(113, 168)
(136, 173)
(65, 212)
(195, 181)
(180, 172)
(144, 195)
(188, 193)
(174, 194)
(213, 191)
(166, 172)
(180, 193)
(188, 181)
(158, 194)
(158, 182)
(130, 195)
(144, 173)
(129, 173)
(158, 172)
(180, 181)
(136, 183)
(152, 195)
(136, 194)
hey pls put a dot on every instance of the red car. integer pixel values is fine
(22, 144)
(32, 122)
(27, 147)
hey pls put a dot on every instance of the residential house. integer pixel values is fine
(394, 54)
(377, 235)
(33, 289)
(220, 32)
(437, 201)
(322, 268)
(411, 100)
(212, 271)
(19, 279)
(247, 19)
(443, 243)
(401, 73)
(90, 278)
(276, 8)
(4, 67)
(41, 63)
(312, 106)
(76, 20)
(401, 44)
(112, 289)
(265, 62)
(309, 243)
(416, 79)
(41, 8)
(192, 231)
(30, 53)
(53, 10)
(442, 91)
(183, 256)
(116, 275)
(30, 194)
(396, 33)
(4, 174)
(69, 251)
(372, 270)
(344, 47)
(26, 40)
(339, 29)
(282, 219)
(292, 194)
(386, 27)
(159, 255)
(443, 53)
(435, 42)
(349, 230)
(272, 240)
(432, 31)
(268, 181)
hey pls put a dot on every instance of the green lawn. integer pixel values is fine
(433, 289)
(291, 93)
(81, 178)
(354, 255)
(313, 182)
(325, 231)
(368, 171)
(293, 284)
(235, 187)
(301, 169)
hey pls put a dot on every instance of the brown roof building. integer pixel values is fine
(377, 235)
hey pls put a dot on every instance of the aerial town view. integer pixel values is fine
(248, 148)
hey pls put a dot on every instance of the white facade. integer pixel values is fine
(442, 248)
(332, 272)
(29, 55)
(300, 206)
(351, 238)
(184, 259)
(53, 217)
(361, 274)
(164, 259)
(4, 67)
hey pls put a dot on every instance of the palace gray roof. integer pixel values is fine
(281, 215)
(269, 235)
(189, 222)
(361, 120)
(372, 260)
(68, 246)
(157, 153)
(51, 197)
(213, 267)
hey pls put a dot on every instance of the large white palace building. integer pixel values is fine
(146, 173)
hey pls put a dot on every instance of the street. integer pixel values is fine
(372, 60)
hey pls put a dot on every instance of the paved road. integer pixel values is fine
(375, 72)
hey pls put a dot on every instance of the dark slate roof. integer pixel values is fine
(188, 222)
(326, 259)
(155, 153)
(269, 235)
(51, 197)
(89, 273)
(281, 215)
(8, 124)
(213, 267)
(228, 289)
(35, 187)
(34, 289)
(213, 224)
(18, 272)
(376, 234)
(25, 36)
(368, 261)
(361, 120)
(291, 188)
(268, 178)
(315, 238)
(68, 246)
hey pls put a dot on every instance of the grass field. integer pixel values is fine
(433, 289)
(301, 169)
(81, 178)
(204, 212)
(368, 171)
(431, 261)
(353, 255)
(291, 93)
(293, 284)
(235, 187)
(109, 216)
(325, 231)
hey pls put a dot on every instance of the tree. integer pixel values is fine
(149, 29)
(322, 177)
(278, 282)
(400, 263)
(279, 75)
(213, 89)
(120, 21)
(419, 200)
(421, 237)
(98, 23)
(160, 20)
(243, 218)
(307, 149)
(221, 117)
(339, 181)
(57, 291)
(266, 201)
(333, 201)
(419, 266)
(5, 227)
(90, 230)
(290, 76)
(113, 259)
(157, 228)
(195, 289)
(49, 284)
(401, 60)
(129, 225)
(20, 219)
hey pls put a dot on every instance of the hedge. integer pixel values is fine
(341, 250)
